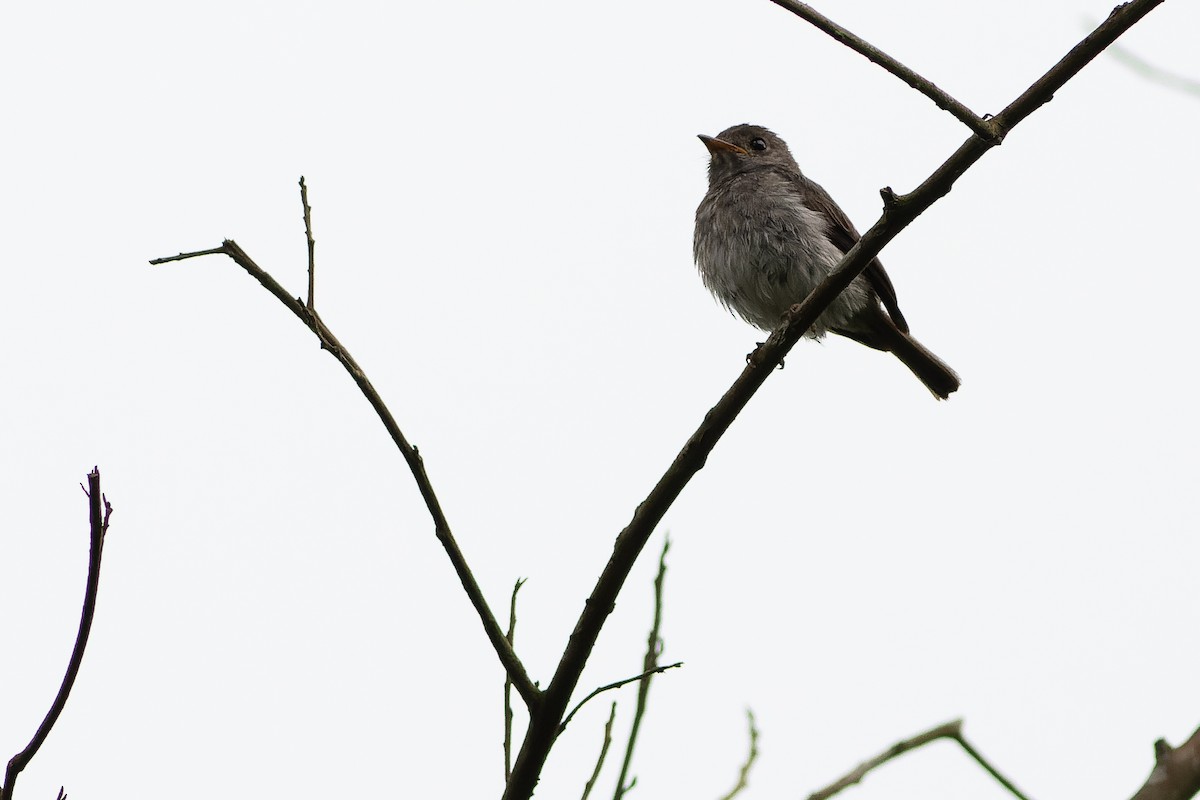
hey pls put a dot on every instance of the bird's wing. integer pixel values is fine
(843, 235)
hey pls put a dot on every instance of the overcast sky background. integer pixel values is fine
(503, 200)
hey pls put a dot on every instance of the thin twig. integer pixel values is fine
(510, 636)
(983, 762)
(312, 246)
(587, 788)
(949, 730)
(899, 212)
(99, 513)
(944, 101)
(185, 256)
(614, 685)
(650, 664)
(744, 773)
(512, 665)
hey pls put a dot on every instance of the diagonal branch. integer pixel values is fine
(99, 512)
(966, 116)
(1176, 773)
(654, 646)
(587, 787)
(744, 773)
(949, 730)
(510, 637)
(987, 765)
(614, 685)
(898, 213)
(508, 657)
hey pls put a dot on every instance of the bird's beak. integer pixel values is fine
(716, 146)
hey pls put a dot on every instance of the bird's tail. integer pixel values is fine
(931, 370)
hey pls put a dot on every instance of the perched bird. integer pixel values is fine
(766, 235)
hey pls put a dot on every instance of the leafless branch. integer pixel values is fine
(99, 513)
(899, 212)
(312, 246)
(508, 657)
(587, 788)
(744, 773)
(508, 712)
(1176, 773)
(987, 766)
(650, 664)
(926, 87)
(614, 685)
(950, 730)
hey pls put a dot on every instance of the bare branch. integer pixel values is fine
(614, 685)
(744, 774)
(99, 513)
(312, 246)
(899, 212)
(510, 636)
(512, 665)
(966, 116)
(649, 663)
(983, 762)
(1176, 773)
(185, 256)
(587, 788)
(950, 730)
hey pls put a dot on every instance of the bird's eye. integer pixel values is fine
(758, 144)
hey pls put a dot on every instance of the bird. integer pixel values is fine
(766, 235)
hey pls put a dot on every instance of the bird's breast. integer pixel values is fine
(761, 251)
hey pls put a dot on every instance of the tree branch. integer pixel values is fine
(100, 510)
(312, 246)
(949, 730)
(510, 636)
(508, 657)
(966, 116)
(898, 213)
(744, 773)
(587, 787)
(1176, 773)
(650, 665)
(614, 685)
(987, 766)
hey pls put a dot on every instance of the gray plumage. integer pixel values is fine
(766, 235)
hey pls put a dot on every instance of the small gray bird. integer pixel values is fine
(766, 236)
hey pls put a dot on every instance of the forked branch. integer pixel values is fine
(308, 315)
(949, 730)
(898, 213)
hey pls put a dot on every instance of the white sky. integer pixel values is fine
(503, 199)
